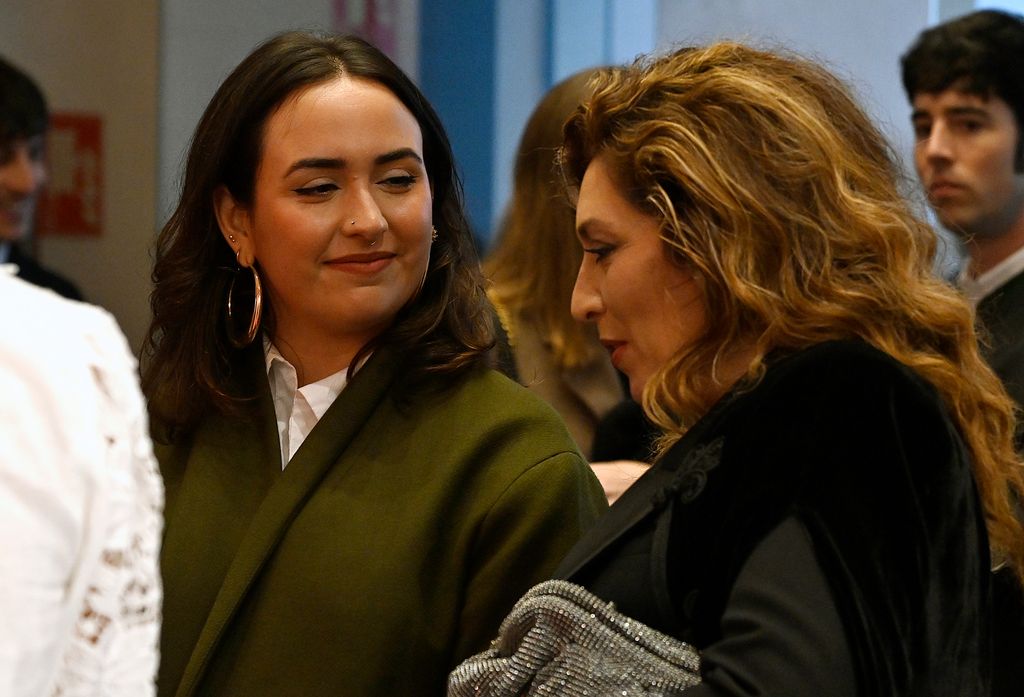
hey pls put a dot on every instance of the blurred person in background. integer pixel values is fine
(531, 271)
(966, 88)
(24, 121)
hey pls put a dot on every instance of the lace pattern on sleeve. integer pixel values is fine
(113, 647)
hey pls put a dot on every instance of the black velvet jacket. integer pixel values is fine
(860, 452)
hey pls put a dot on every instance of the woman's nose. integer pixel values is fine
(586, 304)
(362, 215)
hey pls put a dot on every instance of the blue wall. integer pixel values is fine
(484, 64)
(457, 75)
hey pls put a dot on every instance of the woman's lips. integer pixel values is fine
(363, 264)
(615, 349)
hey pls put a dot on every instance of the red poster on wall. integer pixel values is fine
(73, 203)
(373, 20)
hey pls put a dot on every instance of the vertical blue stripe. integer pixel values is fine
(549, 42)
(609, 32)
(457, 69)
(578, 36)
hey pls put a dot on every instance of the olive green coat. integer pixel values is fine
(387, 551)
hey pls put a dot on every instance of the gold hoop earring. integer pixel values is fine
(257, 311)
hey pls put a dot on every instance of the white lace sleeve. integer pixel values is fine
(80, 506)
(113, 646)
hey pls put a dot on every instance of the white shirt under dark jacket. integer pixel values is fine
(976, 288)
(298, 409)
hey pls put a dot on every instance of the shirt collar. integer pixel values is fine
(271, 355)
(975, 289)
(319, 395)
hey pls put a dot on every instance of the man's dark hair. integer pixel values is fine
(23, 112)
(979, 53)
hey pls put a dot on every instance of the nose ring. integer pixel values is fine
(372, 242)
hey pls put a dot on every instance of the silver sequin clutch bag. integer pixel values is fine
(560, 639)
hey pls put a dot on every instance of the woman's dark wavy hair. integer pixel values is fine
(188, 359)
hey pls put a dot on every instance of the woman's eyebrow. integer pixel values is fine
(399, 154)
(339, 163)
(316, 163)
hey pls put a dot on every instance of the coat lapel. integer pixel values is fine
(636, 503)
(318, 453)
(650, 493)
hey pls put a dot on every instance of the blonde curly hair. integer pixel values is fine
(774, 185)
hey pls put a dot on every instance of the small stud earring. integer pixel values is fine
(231, 238)
(352, 223)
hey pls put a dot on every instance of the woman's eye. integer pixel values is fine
(399, 181)
(599, 252)
(316, 189)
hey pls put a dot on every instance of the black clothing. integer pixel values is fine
(837, 485)
(624, 433)
(31, 271)
(1001, 316)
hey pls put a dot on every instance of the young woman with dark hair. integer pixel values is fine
(354, 499)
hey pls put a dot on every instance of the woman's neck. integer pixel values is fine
(315, 357)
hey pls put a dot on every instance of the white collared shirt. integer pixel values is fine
(298, 409)
(975, 289)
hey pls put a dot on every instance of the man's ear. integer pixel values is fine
(235, 224)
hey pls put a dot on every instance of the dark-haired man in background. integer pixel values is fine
(966, 87)
(23, 123)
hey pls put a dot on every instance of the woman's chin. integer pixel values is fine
(636, 388)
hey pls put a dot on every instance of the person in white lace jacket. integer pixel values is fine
(80, 504)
